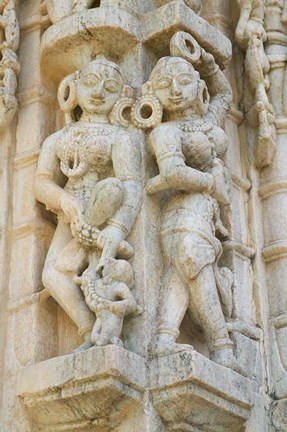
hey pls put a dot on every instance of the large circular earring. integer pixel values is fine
(203, 97)
(183, 45)
(147, 112)
(67, 96)
(121, 112)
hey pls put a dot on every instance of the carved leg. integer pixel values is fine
(96, 330)
(111, 329)
(62, 287)
(106, 198)
(172, 308)
(205, 303)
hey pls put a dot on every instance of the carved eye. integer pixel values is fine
(89, 81)
(111, 85)
(184, 80)
(163, 83)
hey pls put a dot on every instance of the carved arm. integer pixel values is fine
(218, 87)
(166, 145)
(127, 168)
(48, 178)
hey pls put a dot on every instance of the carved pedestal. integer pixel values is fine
(189, 390)
(94, 390)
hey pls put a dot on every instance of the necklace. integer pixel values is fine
(198, 125)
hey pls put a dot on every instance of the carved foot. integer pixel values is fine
(163, 350)
(226, 358)
(84, 346)
(112, 341)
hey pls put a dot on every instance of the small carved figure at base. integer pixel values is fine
(110, 298)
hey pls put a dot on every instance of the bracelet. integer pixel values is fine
(212, 72)
(118, 224)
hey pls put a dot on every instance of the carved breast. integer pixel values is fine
(197, 149)
(85, 149)
(201, 141)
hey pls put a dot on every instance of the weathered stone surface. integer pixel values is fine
(188, 389)
(82, 391)
(143, 279)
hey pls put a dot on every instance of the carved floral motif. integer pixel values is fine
(89, 175)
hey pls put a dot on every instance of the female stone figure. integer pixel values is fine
(89, 175)
(188, 148)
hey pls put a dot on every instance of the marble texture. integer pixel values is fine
(143, 219)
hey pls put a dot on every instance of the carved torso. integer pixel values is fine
(200, 141)
(89, 146)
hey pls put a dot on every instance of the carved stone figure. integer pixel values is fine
(250, 35)
(111, 300)
(89, 175)
(9, 64)
(188, 149)
(195, 5)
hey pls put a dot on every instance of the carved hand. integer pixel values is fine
(72, 208)
(109, 240)
(118, 308)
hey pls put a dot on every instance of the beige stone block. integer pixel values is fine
(28, 256)
(65, 49)
(26, 208)
(62, 392)
(188, 389)
(30, 139)
(159, 27)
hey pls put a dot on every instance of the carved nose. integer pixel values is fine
(98, 91)
(175, 89)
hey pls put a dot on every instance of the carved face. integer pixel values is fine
(175, 83)
(99, 87)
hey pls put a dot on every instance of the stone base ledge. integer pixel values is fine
(83, 390)
(189, 389)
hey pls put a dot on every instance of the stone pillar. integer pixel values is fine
(273, 195)
(127, 388)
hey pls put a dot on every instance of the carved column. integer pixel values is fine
(273, 195)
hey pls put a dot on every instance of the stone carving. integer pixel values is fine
(195, 5)
(279, 415)
(111, 300)
(60, 9)
(194, 95)
(9, 64)
(89, 175)
(284, 12)
(250, 35)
